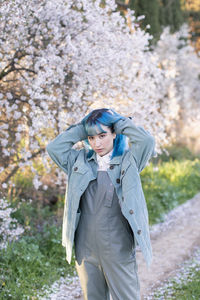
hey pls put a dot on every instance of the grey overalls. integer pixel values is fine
(104, 245)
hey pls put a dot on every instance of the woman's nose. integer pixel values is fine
(97, 142)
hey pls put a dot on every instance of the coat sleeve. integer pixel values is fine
(142, 142)
(60, 149)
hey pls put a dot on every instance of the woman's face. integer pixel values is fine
(102, 143)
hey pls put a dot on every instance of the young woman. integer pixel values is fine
(105, 211)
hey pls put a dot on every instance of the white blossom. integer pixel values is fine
(5, 152)
(8, 232)
(36, 182)
(181, 65)
(76, 56)
(4, 142)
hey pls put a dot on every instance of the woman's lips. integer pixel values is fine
(98, 150)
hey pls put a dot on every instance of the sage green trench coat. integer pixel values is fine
(124, 173)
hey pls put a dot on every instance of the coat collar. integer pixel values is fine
(92, 157)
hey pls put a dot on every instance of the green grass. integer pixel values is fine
(32, 262)
(188, 290)
(168, 184)
(185, 285)
(37, 258)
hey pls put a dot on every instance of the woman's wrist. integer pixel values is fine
(121, 124)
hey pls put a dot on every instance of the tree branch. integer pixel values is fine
(13, 172)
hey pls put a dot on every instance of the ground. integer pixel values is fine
(172, 243)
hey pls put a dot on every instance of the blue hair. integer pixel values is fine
(92, 123)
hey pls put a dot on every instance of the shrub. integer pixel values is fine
(169, 184)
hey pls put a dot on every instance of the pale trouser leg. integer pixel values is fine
(92, 281)
(122, 279)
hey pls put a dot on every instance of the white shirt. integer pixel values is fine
(104, 161)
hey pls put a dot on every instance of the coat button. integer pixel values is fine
(111, 167)
(123, 172)
(118, 180)
(139, 231)
(131, 212)
(75, 169)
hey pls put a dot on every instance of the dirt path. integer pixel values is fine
(172, 244)
(172, 241)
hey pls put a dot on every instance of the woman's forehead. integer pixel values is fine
(95, 130)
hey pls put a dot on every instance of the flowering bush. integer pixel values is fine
(181, 67)
(59, 59)
(10, 230)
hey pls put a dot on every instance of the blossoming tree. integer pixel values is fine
(58, 60)
(181, 67)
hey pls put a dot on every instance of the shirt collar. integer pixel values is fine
(106, 158)
(115, 160)
(104, 161)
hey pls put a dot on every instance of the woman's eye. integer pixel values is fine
(102, 135)
(90, 138)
